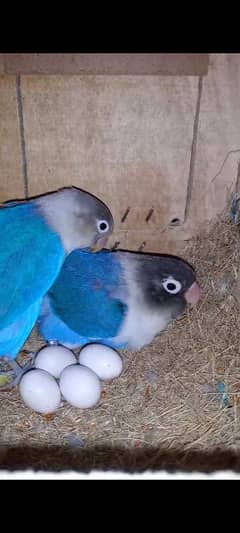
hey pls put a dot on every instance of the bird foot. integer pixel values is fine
(12, 377)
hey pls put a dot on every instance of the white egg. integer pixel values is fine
(40, 391)
(54, 359)
(80, 386)
(103, 360)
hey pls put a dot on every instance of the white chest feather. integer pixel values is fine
(141, 325)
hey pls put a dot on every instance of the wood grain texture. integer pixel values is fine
(218, 142)
(158, 64)
(1, 64)
(11, 182)
(125, 139)
(128, 140)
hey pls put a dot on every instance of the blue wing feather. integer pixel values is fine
(81, 298)
(81, 294)
(31, 255)
(52, 328)
(14, 336)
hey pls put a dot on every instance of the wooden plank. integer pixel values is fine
(218, 141)
(125, 139)
(1, 64)
(11, 183)
(155, 64)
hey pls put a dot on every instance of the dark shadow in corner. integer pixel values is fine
(135, 460)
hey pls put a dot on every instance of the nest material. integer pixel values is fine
(177, 403)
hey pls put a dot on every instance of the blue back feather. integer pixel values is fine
(81, 295)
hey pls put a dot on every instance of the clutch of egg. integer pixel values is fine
(79, 384)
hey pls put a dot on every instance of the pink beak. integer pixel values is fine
(193, 294)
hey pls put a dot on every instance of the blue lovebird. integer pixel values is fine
(36, 236)
(122, 299)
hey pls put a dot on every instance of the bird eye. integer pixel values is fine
(103, 226)
(172, 286)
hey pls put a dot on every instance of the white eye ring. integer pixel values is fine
(171, 281)
(102, 226)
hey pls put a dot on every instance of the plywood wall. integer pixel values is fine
(141, 143)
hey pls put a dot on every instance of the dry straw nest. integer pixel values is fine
(177, 403)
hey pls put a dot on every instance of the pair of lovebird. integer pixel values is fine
(49, 275)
